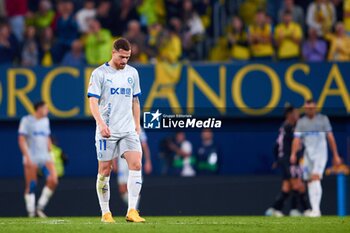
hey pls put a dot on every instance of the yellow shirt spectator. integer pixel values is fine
(97, 44)
(288, 37)
(346, 7)
(260, 37)
(238, 40)
(239, 49)
(339, 49)
(260, 40)
(171, 49)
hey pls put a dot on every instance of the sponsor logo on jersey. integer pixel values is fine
(121, 91)
(39, 133)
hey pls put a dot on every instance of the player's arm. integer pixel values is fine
(49, 143)
(49, 139)
(334, 148)
(136, 113)
(147, 154)
(331, 141)
(23, 146)
(295, 149)
(296, 144)
(104, 130)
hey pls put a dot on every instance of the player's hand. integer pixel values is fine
(138, 130)
(147, 167)
(104, 130)
(337, 160)
(293, 159)
(27, 161)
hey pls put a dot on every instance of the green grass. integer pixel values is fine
(178, 224)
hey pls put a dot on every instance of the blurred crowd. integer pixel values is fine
(312, 31)
(80, 32)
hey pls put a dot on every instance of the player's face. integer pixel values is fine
(121, 58)
(310, 109)
(43, 111)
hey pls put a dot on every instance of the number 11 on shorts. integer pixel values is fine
(103, 144)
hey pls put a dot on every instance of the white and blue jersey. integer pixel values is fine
(115, 90)
(37, 132)
(313, 133)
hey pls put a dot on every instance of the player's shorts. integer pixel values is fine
(314, 166)
(290, 171)
(40, 161)
(123, 171)
(110, 148)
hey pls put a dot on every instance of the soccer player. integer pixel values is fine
(313, 130)
(292, 184)
(121, 167)
(113, 96)
(35, 144)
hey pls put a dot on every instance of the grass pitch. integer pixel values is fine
(178, 224)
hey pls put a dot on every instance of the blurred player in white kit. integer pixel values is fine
(313, 130)
(35, 144)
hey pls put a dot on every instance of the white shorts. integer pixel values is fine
(123, 171)
(108, 149)
(314, 166)
(40, 161)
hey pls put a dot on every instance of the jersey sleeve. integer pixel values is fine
(298, 132)
(136, 86)
(48, 127)
(95, 85)
(327, 125)
(23, 127)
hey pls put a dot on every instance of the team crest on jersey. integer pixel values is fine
(130, 81)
